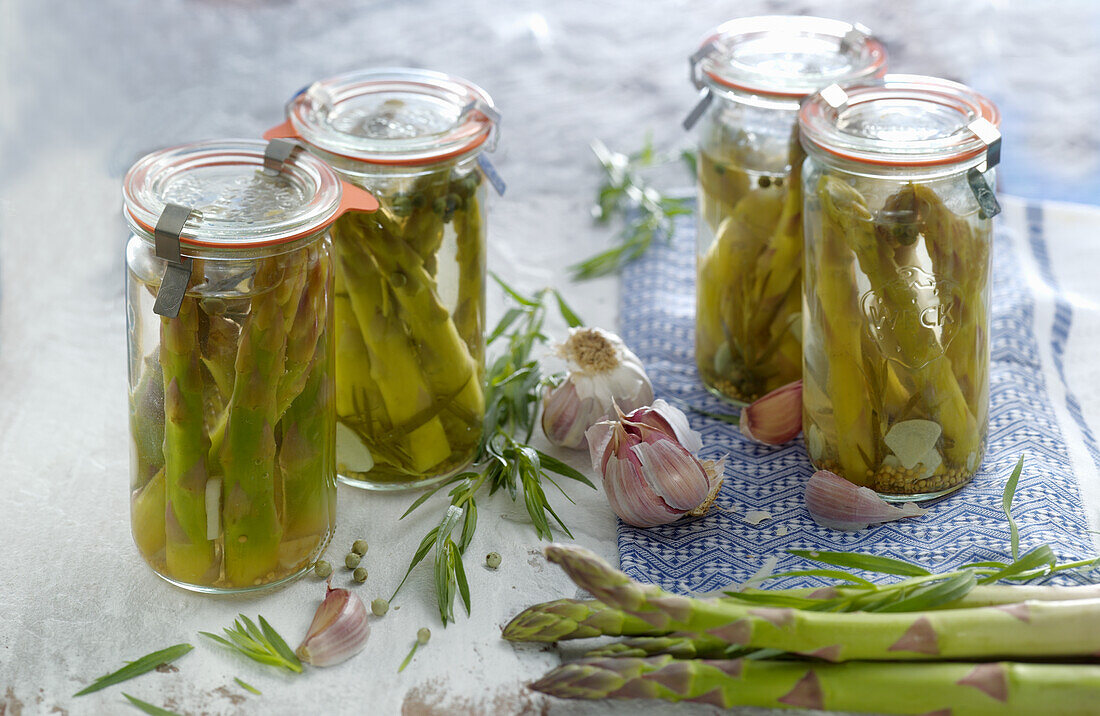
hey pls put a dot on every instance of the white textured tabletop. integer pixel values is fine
(88, 87)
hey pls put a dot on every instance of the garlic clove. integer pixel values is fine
(671, 421)
(564, 415)
(339, 630)
(835, 503)
(776, 417)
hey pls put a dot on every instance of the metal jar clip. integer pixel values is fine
(983, 129)
(177, 271)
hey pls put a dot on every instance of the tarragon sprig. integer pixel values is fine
(920, 590)
(137, 667)
(647, 214)
(259, 643)
(505, 460)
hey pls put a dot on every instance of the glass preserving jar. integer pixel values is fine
(752, 73)
(229, 325)
(410, 279)
(898, 207)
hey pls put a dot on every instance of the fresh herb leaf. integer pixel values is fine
(259, 643)
(833, 573)
(933, 594)
(137, 667)
(1006, 503)
(148, 707)
(408, 657)
(647, 214)
(248, 687)
(1041, 556)
(504, 460)
(867, 562)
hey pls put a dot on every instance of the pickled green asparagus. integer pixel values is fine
(233, 486)
(897, 339)
(749, 275)
(410, 330)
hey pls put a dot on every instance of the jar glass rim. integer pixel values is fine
(225, 183)
(787, 56)
(394, 116)
(898, 121)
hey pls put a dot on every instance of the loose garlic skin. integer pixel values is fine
(603, 373)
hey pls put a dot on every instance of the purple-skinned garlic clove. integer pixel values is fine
(835, 503)
(775, 418)
(339, 630)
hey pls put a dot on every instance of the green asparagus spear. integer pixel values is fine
(678, 646)
(1030, 629)
(307, 448)
(189, 553)
(959, 689)
(573, 619)
(249, 510)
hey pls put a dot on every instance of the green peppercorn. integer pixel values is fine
(360, 574)
(379, 606)
(401, 205)
(423, 635)
(351, 561)
(359, 546)
(492, 560)
(322, 569)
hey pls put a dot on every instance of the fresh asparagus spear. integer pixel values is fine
(573, 619)
(959, 689)
(565, 619)
(1030, 629)
(678, 646)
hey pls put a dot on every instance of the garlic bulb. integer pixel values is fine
(339, 630)
(602, 373)
(835, 503)
(775, 418)
(651, 474)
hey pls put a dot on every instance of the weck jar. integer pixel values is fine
(410, 279)
(898, 205)
(752, 74)
(229, 287)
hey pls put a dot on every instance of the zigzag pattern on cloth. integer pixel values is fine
(711, 552)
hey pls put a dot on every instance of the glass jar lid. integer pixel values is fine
(394, 116)
(901, 120)
(236, 202)
(786, 55)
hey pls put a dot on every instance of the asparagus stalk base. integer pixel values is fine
(956, 688)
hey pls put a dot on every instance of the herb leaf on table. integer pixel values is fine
(137, 667)
(505, 461)
(259, 643)
(248, 687)
(646, 213)
(148, 707)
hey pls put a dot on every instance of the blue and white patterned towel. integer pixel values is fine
(710, 553)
